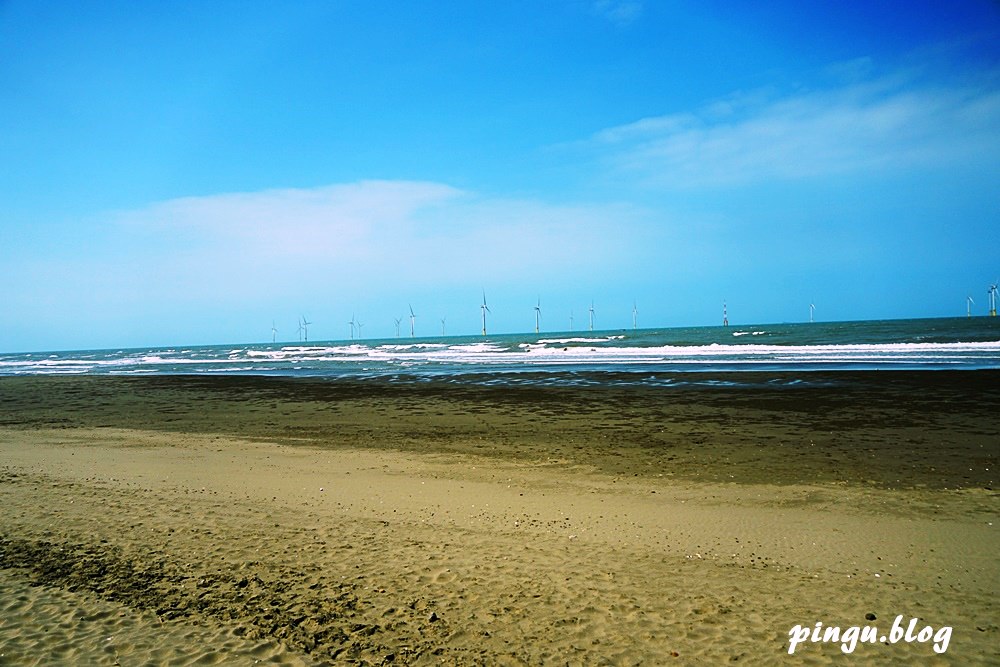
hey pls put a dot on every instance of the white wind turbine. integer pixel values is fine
(992, 292)
(442, 325)
(305, 328)
(299, 330)
(968, 305)
(812, 312)
(591, 315)
(359, 328)
(571, 320)
(538, 313)
(274, 332)
(412, 320)
(635, 316)
(352, 323)
(485, 309)
(397, 320)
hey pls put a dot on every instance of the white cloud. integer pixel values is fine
(333, 222)
(858, 128)
(369, 234)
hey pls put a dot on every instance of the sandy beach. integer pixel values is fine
(235, 520)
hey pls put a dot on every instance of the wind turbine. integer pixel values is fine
(274, 332)
(398, 320)
(635, 314)
(725, 315)
(412, 319)
(812, 311)
(968, 305)
(538, 313)
(485, 309)
(305, 328)
(442, 325)
(591, 315)
(359, 328)
(571, 320)
(992, 291)
(299, 330)
(352, 323)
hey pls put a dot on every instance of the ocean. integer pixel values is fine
(645, 356)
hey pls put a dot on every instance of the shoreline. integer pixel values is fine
(184, 519)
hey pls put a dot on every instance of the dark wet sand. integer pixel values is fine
(228, 520)
(890, 429)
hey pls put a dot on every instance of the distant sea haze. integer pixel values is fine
(643, 356)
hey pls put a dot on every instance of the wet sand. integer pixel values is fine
(228, 520)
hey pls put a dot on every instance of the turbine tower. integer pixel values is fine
(538, 313)
(397, 320)
(635, 316)
(299, 330)
(412, 320)
(485, 309)
(274, 332)
(725, 315)
(359, 328)
(352, 323)
(570, 320)
(591, 315)
(305, 328)
(968, 305)
(812, 311)
(442, 325)
(992, 291)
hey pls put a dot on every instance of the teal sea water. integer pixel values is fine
(643, 356)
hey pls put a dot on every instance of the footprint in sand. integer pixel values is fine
(444, 575)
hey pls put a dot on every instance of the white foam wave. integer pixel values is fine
(414, 346)
(478, 348)
(486, 353)
(564, 341)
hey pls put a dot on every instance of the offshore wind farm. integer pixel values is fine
(355, 325)
(972, 342)
(653, 356)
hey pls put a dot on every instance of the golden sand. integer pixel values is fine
(176, 522)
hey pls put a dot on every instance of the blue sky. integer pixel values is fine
(188, 172)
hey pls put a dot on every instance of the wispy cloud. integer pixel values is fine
(619, 12)
(869, 126)
(362, 235)
(334, 223)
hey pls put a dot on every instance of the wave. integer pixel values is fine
(564, 341)
(414, 346)
(358, 357)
